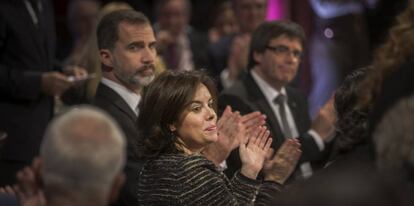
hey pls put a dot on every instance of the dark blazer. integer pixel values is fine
(198, 43)
(111, 102)
(245, 96)
(26, 52)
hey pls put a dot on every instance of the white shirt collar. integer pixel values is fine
(131, 98)
(269, 92)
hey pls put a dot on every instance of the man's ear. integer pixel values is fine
(106, 57)
(116, 187)
(257, 57)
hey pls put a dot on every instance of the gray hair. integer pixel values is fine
(394, 139)
(83, 151)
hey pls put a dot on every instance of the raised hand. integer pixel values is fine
(232, 129)
(29, 190)
(325, 120)
(281, 166)
(55, 83)
(251, 122)
(253, 152)
(7, 190)
(239, 52)
(228, 127)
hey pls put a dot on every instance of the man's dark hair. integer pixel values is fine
(107, 32)
(270, 30)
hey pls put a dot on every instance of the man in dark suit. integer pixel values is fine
(126, 44)
(274, 57)
(27, 82)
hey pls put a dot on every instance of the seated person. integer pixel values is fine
(177, 121)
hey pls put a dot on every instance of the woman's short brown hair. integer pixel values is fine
(163, 102)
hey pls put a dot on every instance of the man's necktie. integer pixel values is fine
(280, 100)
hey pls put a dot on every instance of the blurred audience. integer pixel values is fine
(228, 57)
(82, 16)
(69, 173)
(394, 140)
(27, 80)
(223, 22)
(66, 173)
(392, 74)
(180, 46)
(351, 143)
(334, 53)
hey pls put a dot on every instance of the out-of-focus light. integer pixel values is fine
(275, 10)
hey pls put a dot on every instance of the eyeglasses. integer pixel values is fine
(280, 49)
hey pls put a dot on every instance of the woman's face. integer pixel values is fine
(197, 126)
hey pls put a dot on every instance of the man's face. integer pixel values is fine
(173, 16)
(250, 14)
(133, 55)
(279, 63)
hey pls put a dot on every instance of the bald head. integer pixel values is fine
(82, 153)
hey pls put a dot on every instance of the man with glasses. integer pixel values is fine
(274, 57)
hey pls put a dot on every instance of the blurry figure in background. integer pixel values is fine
(338, 45)
(392, 76)
(394, 141)
(70, 174)
(81, 19)
(66, 172)
(180, 46)
(394, 145)
(88, 58)
(351, 143)
(223, 23)
(27, 80)
(228, 56)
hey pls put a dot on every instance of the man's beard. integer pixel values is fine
(137, 79)
(144, 81)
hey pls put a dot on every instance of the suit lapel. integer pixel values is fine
(259, 100)
(293, 106)
(32, 30)
(114, 98)
(299, 110)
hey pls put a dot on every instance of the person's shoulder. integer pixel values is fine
(238, 89)
(295, 91)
